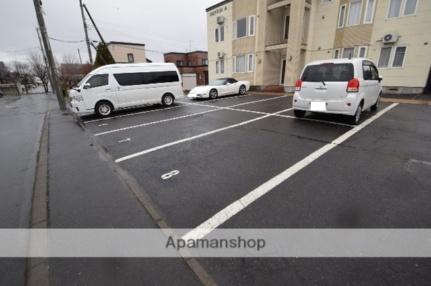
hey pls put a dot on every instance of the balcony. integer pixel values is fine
(275, 4)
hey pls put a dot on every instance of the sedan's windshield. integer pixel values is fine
(219, 82)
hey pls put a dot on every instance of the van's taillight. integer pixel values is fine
(353, 85)
(298, 85)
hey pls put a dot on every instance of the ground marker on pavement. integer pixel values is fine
(125, 140)
(231, 210)
(171, 174)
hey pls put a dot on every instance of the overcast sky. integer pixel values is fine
(163, 25)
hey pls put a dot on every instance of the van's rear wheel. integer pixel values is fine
(299, 113)
(168, 100)
(104, 108)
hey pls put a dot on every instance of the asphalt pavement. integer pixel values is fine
(377, 176)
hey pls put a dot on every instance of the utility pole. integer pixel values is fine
(50, 56)
(79, 55)
(94, 24)
(44, 57)
(87, 40)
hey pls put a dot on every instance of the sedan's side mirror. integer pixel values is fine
(87, 85)
(380, 79)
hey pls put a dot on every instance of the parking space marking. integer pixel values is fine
(228, 212)
(132, 114)
(138, 154)
(215, 108)
(235, 105)
(125, 140)
(316, 120)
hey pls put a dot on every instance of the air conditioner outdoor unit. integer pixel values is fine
(390, 38)
(220, 20)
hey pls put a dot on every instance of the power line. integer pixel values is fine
(67, 41)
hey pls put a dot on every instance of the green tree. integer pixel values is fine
(103, 56)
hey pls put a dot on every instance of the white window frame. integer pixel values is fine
(248, 62)
(372, 12)
(344, 17)
(392, 57)
(403, 9)
(222, 66)
(402, 12)
(217, 67)
(247, 58)
(366, 51)
(339, 53)
(380, 55)
(342, 52)
(220, 34)
(346, 24)
(251, 20)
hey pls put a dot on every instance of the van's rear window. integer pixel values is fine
(125, 79)
(328, 72)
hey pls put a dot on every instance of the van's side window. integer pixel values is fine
(98, 80)
(127, 79)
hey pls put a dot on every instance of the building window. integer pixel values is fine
(130, 58)
(362, 52)
(180, 63)
(222, 66)
(410, 7)
(394, 8)
(241, 28)
(336, 53)
(252, 25)
(341, 16)
(369, 11)
(250, 63)
(204, 62)
(217, 67)
(385, 55)
(240, 64)
(400, 53)
(354, 16)
(221, 29)
(348, 53)
(286, 27)
(217, 33)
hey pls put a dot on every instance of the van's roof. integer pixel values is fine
(139, 65)
(339, 61)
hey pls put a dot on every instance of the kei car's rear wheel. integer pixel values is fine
(375, 107)
(213, 94)
(355, 119)
(299, 113)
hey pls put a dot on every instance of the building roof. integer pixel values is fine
(186, 53)
(125, 43)
(218, 5)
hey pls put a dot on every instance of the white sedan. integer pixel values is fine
(220, 87)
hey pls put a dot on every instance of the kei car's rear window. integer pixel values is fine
(328, 72)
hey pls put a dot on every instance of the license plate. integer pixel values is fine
(318, 106)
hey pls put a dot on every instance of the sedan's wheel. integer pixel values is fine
(355, 119)
(104, 109)
(168, 100)
(213, 94)
(242, 90)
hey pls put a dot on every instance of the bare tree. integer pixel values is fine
(4, 72)
(22, 74)
(39, 69)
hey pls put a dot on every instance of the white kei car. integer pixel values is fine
(220, 87)
(341, 86)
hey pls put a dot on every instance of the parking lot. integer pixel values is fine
(246, 162)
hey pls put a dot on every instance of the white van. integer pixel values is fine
(339, 86)
(119, 86)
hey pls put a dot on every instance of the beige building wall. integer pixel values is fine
(317, 39)
(225, 47)
(120, 51)
(415, 34)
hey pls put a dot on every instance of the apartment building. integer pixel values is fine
(193, 67)
(268, 42)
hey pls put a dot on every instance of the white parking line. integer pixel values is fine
(138, 154)
(215, 108)
(225, 214)
(132, 114)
